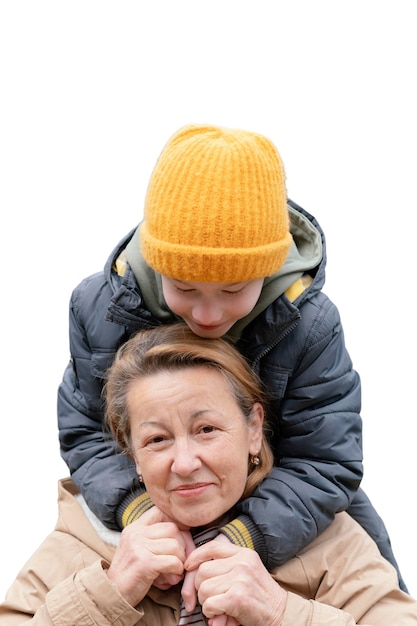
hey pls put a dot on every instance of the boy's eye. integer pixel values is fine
(234, 292)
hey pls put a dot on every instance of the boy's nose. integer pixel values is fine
(207, 313)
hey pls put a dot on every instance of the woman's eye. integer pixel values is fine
(154, 441)
(207, 429)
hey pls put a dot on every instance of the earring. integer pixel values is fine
(254, 459)
(140, 478)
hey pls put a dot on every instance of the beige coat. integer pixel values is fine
(64, 582)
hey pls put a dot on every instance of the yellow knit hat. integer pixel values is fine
(216, 207)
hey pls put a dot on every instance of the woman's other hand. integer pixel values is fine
(232, 581)
(152, 550)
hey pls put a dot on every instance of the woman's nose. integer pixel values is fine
(185, 460)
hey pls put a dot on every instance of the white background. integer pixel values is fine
(90, 92)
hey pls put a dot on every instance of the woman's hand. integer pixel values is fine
(189, 592)
(232, 581)
(152, 550)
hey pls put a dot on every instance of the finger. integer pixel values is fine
(153, 516)
(165, 581)
(223, 620)
(188, 591)
(208, 552)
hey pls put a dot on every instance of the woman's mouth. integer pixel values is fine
(191, 491)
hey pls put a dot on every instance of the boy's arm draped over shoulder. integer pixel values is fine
(316, 433)
(104, 476)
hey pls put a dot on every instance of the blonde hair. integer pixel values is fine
(173, 347)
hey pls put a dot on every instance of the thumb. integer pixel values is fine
(188, 590)
(188, 541)
(153, 516)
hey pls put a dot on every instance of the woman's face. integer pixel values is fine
(191, 442)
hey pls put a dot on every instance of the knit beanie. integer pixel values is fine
(216, 207)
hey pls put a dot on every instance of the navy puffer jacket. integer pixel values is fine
(297, 348)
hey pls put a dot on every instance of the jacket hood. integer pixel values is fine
(76, 519)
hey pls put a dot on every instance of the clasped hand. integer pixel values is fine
(230, 582)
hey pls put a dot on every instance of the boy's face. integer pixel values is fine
(211, 309)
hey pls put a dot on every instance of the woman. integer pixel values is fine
(190, 413)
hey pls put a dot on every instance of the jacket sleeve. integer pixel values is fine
(341, 578)
(90, 453)
(85, 596)
(316, 438)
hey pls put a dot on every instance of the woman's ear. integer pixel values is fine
(256, 425)
(139, 473)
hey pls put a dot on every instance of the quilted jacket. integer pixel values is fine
(297, 346)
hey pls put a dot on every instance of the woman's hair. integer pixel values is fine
(174, 347)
